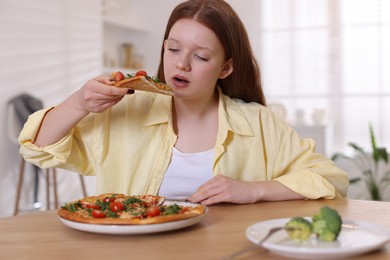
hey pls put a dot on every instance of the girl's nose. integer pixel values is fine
(183, 64)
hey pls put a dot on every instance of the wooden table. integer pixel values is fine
(42, 236)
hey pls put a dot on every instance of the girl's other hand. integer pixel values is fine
(225, 189)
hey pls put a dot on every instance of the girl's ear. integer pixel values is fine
(227, 69)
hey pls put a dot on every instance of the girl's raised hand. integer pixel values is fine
(98, 94)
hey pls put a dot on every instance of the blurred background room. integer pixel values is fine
(325, 68)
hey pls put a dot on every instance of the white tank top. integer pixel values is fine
(186, 172)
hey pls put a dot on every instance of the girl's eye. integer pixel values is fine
(201, 58)
(173, 49)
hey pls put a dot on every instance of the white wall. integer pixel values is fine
(48, 48)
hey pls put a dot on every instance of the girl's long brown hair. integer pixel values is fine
(244, 82)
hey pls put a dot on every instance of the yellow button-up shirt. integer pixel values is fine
(129, 147)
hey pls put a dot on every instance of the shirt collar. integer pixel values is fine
(231, 116)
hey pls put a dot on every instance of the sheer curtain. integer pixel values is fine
(332, 55)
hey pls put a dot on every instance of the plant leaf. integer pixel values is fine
(375, 154)
(354, 180)
(367, 163)
(385, 180)
(338, 155)
(374, 190)
(382, 153)
(367, 172)
(357, 148)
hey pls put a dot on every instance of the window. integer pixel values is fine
(332, 55)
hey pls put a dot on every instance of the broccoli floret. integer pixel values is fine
(327, 224)
(299, 228)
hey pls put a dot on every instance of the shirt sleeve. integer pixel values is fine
(66, 153)
(306, 172)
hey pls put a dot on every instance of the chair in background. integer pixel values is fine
(18, 110)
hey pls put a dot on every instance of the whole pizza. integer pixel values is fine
(120, 209)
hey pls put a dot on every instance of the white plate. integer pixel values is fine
(356, 237)
(136, 229)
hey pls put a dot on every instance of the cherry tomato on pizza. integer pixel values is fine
(98, 214)
(109, 199)
(118, 76)
(141, 73)
(90, 206)
(184, 210)
(116, 206)
(153, 211)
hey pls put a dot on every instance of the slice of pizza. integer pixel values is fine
(141, 81)
(120, 209)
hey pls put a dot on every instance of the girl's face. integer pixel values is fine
(194, 60)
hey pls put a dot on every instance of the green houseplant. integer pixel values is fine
(368, 163)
